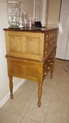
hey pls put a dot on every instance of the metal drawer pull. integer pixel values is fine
(45, 52)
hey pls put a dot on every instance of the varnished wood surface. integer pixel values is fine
(35, 30)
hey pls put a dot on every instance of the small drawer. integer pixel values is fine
(48, 63)
(51, 34)
(46, 36)
(46, 52)
(45, 70)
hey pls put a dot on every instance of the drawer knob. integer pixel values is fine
(53, 60)
(46, 44)
(45, 73)
(45, 52)
(46, 47)
(48, 60)
(46, 36)
(51, 36)
(48, 68)
(51, 63)
(45, 65)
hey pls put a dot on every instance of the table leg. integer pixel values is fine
(39, 94)
(11, 87)
(52, 68)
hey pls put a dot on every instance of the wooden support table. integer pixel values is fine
(30, 55)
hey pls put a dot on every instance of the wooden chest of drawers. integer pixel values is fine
(30, 55)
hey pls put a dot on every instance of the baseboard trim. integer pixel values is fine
(14, 89)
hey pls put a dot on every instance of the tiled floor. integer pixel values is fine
(55, 100)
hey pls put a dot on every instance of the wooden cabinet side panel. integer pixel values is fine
(7, 42)
(25, 69)
(25, 44)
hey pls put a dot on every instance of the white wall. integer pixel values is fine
(3, 68)
(27, 6)
(53, 9)
(4, 87)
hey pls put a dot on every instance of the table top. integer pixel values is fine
(42, 29)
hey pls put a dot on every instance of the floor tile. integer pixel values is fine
(68, 118)
(25, 120)
(26, 95)
(36, 113)
(1, 112)
(61, 94)
(54, 116)
(63, 79)
(63, 85)
(58, 61)
(59, 105)
(49, 83)
(19, 107)
(20, 89)
(65, 75)
(10, 118)
(33, 85)
(7, 104)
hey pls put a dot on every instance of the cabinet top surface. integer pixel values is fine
(30, 30)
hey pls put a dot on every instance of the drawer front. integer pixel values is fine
(48, 63)
(50, 42)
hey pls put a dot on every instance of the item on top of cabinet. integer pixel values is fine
(38, 24)
(31, 22)
(13, 13)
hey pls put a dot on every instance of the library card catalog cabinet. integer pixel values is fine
(30, 54)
